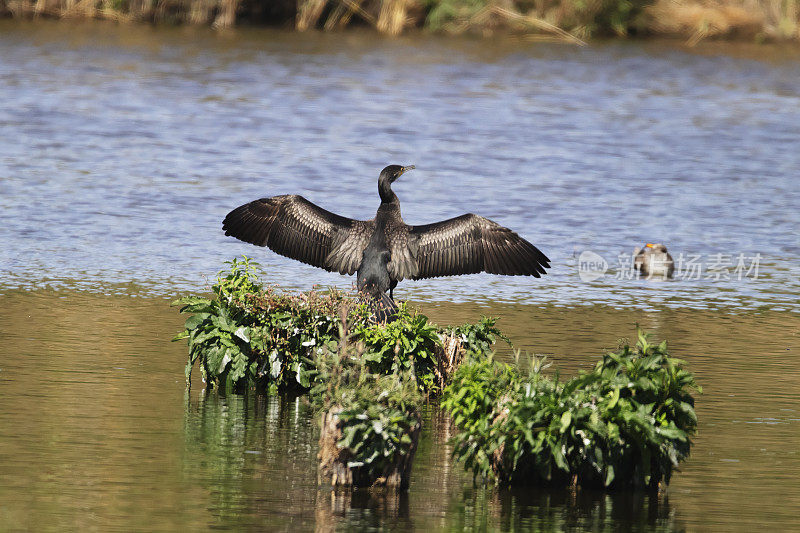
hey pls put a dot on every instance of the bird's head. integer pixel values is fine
(656, 247)
(392, 172)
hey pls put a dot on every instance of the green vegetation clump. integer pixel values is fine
(408, 344)
(625, 424)
(478, 339)
(370, 421)
(251, 336)
(569, 20)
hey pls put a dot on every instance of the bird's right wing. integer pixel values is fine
(294, 227)
(469, 244)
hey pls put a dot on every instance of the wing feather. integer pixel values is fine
(403, 249)
(469, 244)
(294, 227)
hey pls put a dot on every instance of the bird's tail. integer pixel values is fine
(383, 308)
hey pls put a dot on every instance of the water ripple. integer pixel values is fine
(119, 160)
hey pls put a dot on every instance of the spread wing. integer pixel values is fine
(294, 227)
(469, 244)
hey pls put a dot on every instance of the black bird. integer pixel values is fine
(383, 250)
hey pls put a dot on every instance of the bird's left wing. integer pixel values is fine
(294, 227)
(469, 244)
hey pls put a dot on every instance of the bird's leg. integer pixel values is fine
(391, 294)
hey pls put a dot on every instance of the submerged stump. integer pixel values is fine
(339, 467)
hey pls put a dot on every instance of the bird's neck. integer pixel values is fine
(386, 193)
(388, 212)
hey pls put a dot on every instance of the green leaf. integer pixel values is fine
(226, 358)
(242, 333)
(609, 475)
(558, 456)
(614, 399)
(195, 320)
(566, 420)
(223, 323)
(190, 300)
(673, 433)
(302, 376)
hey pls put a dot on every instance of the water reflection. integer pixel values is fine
(583, 511)
(255, 457)
(362, 509)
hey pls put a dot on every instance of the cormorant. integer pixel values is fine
(383, 250)
(653, 261)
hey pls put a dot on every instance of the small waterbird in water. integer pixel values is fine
(384, 250)
(653, 261)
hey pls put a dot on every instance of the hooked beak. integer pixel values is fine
(406, 169)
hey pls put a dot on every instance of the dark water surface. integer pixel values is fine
(121, 149)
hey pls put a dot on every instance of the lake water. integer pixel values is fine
(123, 148)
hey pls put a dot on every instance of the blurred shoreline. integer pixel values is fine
(572, 21)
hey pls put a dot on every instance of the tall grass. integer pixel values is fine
(701, 19)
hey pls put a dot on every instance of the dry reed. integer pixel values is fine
(560, 20)
(218, 13)
(701, 19)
